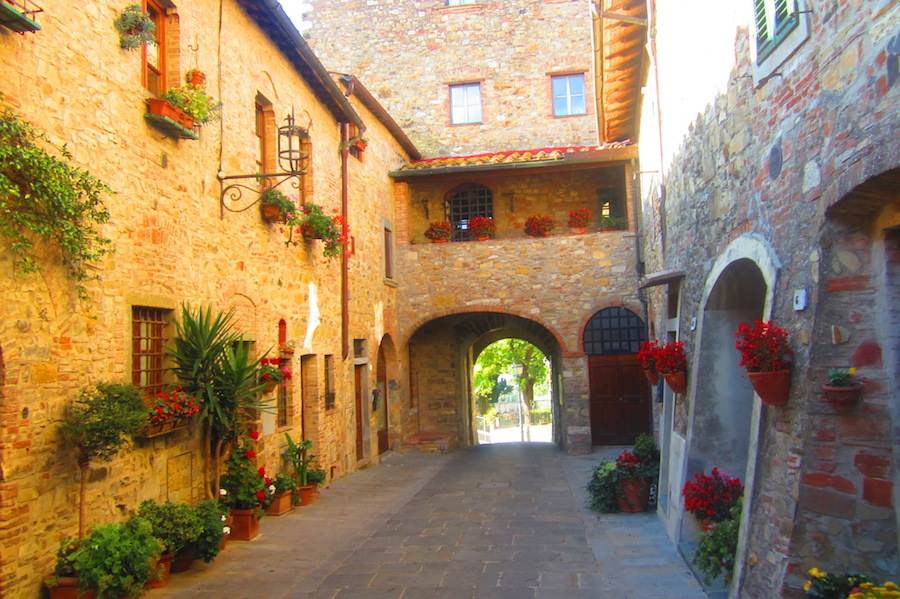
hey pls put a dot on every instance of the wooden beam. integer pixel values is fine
(612, 16)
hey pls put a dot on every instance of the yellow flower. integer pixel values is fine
(851, 371)
(816, 573)
(807, 585)
(891, 585)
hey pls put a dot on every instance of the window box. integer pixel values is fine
(152, 431)
(170, 120)
(18, 15)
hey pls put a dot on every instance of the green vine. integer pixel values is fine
(44, 197)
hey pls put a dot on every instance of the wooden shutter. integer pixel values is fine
(782, 13)
(759, 16)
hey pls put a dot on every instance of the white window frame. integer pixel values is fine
(461, 2)
(568, 78)
(786, 47)
(465, 111)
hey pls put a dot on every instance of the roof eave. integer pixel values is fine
(359, 90)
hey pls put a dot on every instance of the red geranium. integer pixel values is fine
(249, 454)
(438, 230)
(647, 355)
(172, 404)
(538, 225)
(253, 435)
(482, 226)
(670, 358)
(261, 495)
(274, 370)
(763, 346)
(580, 218)
(262, 470)
(712, 497)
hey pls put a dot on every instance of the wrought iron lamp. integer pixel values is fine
(293, 162)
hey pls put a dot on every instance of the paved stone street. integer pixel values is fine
(493, 521)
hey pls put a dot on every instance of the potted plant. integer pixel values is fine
(135, 28)
(195, 77)
(579, 220)
(100, 421)
(313, 223)
(823, 585)
(439, 231)
(716, 549)
(117, 560)
(194, 102)
(170, 409)
(245, 490)
(180, 110)
(672, 364)
(843, 390)
(624, 485)
(710, 497)
(211, 517)
(175, 526)
(647, 357)
(613, 223)
(64, 582)
(482, 228)
(634, 487)
(273, 372)
(538, 225)
(302, 465)
(275, 207)
(766, 355)
(283, 499)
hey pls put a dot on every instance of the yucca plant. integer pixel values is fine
(213, 364)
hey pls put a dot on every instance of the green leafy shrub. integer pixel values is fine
(284, 483)
(613, 222)
(315, 224)
(715, 553)
(822, 585)
(116, 560)
(603, 488)
(44, 197)
(175, 525)
(212, 517)
(316, 476)
(302, 462)
(193, 101)
(135, 28)
(643, 462)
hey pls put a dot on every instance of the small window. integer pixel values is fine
(284, 405)
(466, 203)
(568, 95)
(461, 2)
(360, 348)
(148, 340)
(388, 253)
(357, 149)
(154, 55)
(329, 382)
(775, 20)
(465, 103)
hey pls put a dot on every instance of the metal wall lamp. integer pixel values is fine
(293, 162)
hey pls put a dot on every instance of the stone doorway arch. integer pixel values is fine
(386, 401)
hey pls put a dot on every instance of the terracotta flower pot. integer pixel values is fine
(223, 541)
(842, 398)
(439, 240)
(163, 568)
(281, 504)
(482, 237)
(578, 230)
(773, 388)
(652, 376)
(244, 525)
(271, 213)
(184, 559)
(633, 495)
(168, 110)
(196, 78)
(308, 494)
(270, 386)
(66, 587)
(677, 381)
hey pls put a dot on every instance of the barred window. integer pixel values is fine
(466, 203)
(329, 382)
(614, 331)
(148, 330)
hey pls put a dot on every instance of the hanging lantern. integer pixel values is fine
(292, 156)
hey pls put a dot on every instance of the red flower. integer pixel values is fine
(580, 218)
(648, 355)
(262, 470)
(712, 497)
(670, 358)
(253, 435)
(249, 454)
(261, 495)
(265, 376)
(763, 346)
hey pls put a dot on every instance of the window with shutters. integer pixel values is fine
(780, 29)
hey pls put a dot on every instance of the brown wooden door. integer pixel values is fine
(619, 399)
(357, 375)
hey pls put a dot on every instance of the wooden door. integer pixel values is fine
(358, 380)
(619, 399)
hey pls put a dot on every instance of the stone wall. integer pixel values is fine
(171, 246)
(408, 53)
(768, 161)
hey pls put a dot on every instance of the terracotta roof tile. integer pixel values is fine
(509, 156)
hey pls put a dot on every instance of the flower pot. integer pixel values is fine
(270, 386)
(307, 494)
(163, 108)
(842, 398)
(281, 504)
(245, 525)
(163, 568)
(184, 559)
(482, 237)
(633, 495)
(271, 213)
(196, 78)
(652, 376)
(439, 240)
(773, 388)
(223, 541)
(578, 230)
(66, 587)
(705, 524)
(677, 381)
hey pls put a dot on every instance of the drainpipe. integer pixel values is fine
(345, 258)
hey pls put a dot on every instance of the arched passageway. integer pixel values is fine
(442, 354)
(386, 400)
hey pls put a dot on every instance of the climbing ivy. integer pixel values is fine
(44, 197)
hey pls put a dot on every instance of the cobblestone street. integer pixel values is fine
(492, 521)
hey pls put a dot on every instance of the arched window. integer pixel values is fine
(614, 331)
(465, 203)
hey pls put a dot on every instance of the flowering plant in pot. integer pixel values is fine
(824, 585)
(194, 102)
(64, 582)
(624, 485)
(174, 525)
(647, 357)
(538, 225)
(671, 362)
(313, 223)
(718, 546)
(274, 371)
(283, 499)
(843, 390)
(275, 207)
(482, 227)
(634, 487)
(439, 231)
(169, 409)
(301, 461)
(580, 219)
(710, 497)
(613, 223)
(195, 77)
(135, 28)
(245, 489)
(766, 355)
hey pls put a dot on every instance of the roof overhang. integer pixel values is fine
(663, 277)
(279, 27)
(355, 88)
(544, 160)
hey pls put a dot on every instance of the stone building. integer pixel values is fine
(177, 242)
(773, 195)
